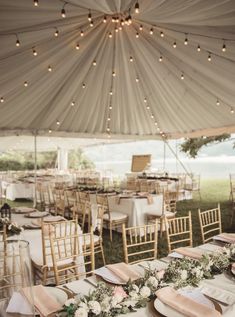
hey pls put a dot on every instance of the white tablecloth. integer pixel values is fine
(18, 190)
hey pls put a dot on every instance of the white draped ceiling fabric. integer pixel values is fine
(171, 72)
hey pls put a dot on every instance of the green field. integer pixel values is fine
(212, 193)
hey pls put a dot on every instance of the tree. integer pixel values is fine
(78, 160)
(192, 146)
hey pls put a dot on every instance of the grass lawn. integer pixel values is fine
(212, 193)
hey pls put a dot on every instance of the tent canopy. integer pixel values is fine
(142, 80)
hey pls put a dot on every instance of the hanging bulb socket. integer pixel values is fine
(36, 3)
(49, 69)
(83, 86)
(217, 102)
(56, 33)
(2, 100)
(34, 52)
(232, 110)
(63, 13)
(199, 48)
(91, 24)
(224, 48)
(160, 59)
(182, 76)
(131, 59)
(186, 40)
(94, 63)
(89, 16)
(77, 47)
(104, 19)
(110, 35)
(174, 44)
(161, 34)
(137, 7)
(209, 57)
(26, 84)
(72, 104)
(58, 122)
(141, 27)
(151, 31)
(82, 33)
(137, 35)
(17, 42)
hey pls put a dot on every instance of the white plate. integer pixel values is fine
(59, 295)
(108, 276)
(194, 294)
(37, 214)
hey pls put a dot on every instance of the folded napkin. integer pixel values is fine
(189, 252)
(53, 218)
(18, 304)
(124, 271)
(227, 237)
(44, 303)
(187, 306)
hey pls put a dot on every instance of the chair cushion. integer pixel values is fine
(95, 237)
(115, 215)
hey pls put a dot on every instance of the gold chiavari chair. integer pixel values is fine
(3, 233)
(47, 198)
(232, 195)
(81, 210)
(210, 223)
(59, 200)
(69, 249)
(113, 219)
(131, 184)
(39, 198)
(140, 242)
(179, 231)
(70, 201)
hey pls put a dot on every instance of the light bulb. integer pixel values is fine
(2, 99)
(217, 102)
(17, 43)
(114, 74)
(162, 34)
(58, 122)
(94, 63)
(35, 52)
(108, 129)
(148, 108)
(131, 59)
(152, 116)
(63, 14)
(49, 68)
(116, 29)
(155, 122)
(186, 41)
(122, 22)
(110, 107)
(91, 24)
(160, 59)
(151, 31)
(77, 47)
(26, 84)
(137, 35)
(174, 44)
(198, 48)
(109, 119)
(104, 19)
(141, 27)
(145, 100)
(209, 57)
(72, 103)
(83, 85)
(110, 35)
(36, 3)
(182, 76)
(129, 19)
(232, 110)
(224, 48)
(56, 33)
(82, 33)
(120, 27)
(137, 7)
(49, 130)
(137, 79)
(113, 19)
(89, 16)
(111, 93)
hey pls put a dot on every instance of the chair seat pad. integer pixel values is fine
(115, 215)
(95, 237)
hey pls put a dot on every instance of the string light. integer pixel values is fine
(49, 68)
(113, 74)
(116, 29)
(186, 40)
(232, 110)
(129, 19)
(174, 44)
(120, 27)
(151, 31)
(131, 59)
(77, 47)
(111, 93)
(109, 119)
(224, 48)
(155, 122)
(36, 3)
(141, 27)
(72, 104)
(91, 24)
(58, 122)
(152, 116)
(17, 41)
(162, 34)
(56, 33)
(63, 13)
(2, 100)
(82, 33)
(104, 19)
(137, 35)
(83, 85)
(26, 84)
(198, 48)
(110, 35)
(217, 102)
(49, 130)
(89, 16)
(94, 63)
(137, 7)
(209, 57)
(160, 59)
(137, 79)
(35, 53)
(110, 107)
(113, 19)
(108, 129)
(145, 100)
(147, 107)
(182, 76)
(122, 22)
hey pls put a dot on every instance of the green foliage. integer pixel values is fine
(78, 160)
(19, 161)
(193, 146)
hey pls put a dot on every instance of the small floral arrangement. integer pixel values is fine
(230, 251)
(11, 227)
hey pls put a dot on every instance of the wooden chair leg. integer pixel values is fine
(111, 231)
(102, 253)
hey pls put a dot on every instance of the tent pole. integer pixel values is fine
(164, 156)
(35, 169)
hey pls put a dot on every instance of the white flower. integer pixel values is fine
(152, 281)
(81, 312)
(184, 275)
(129, 303)
(133, 295)
(106, 305)
(197, 271)
(70, 301)
(94, 307)
(9, 227)
(135, 288)
(145, 292)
